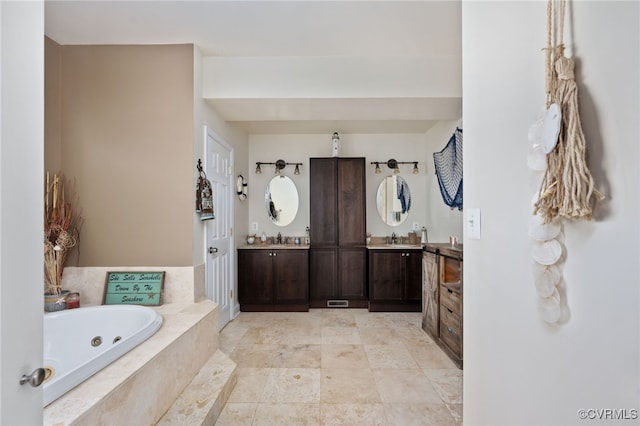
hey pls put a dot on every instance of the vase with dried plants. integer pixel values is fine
(61, 232)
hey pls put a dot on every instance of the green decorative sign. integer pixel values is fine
(134, 288)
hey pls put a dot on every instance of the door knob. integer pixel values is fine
(213, 250)
(35, 379)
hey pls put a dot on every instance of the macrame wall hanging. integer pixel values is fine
(558, 154)
(448, 165)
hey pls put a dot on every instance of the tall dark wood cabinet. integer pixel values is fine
(337, 257)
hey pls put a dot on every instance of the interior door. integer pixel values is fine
(21, 207)
(218, 241)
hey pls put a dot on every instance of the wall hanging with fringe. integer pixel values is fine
(567, 189)
(448, 165)
(204, 195)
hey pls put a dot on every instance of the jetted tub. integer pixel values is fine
(80, 342)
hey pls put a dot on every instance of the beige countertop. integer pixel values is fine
(394, 247)
(261, 246)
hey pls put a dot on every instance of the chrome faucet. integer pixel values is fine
(279, 240)
(393, 238)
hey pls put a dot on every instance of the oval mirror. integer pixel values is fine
(281, 200)
(393, 200)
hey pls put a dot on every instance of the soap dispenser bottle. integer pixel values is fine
(423, 237)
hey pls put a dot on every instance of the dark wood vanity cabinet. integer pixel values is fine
(337, 257)
(395, 280)
(273, 280)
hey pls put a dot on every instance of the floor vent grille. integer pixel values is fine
(337, 303)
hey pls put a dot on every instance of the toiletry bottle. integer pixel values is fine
(306, 236)
(423, 238)
(263, 237)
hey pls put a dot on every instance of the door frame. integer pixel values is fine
(209, 132)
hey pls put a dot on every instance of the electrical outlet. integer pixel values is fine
(254, 226)
(416, 226)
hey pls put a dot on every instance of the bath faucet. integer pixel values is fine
(279, 240)
(393, 238)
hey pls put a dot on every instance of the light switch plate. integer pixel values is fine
(473, 223)
(254, 226)
(416, 226)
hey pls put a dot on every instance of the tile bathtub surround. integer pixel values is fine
(338, 367)
(165, 363)
(182, 284)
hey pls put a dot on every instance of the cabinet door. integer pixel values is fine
(352, 276)
(291, 276)
(323, 201)
(413, 276)
(352, 213)
(385, 275)
(323, 277)
(430, 314)
(255, 277)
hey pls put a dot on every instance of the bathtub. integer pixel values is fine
(80, 342)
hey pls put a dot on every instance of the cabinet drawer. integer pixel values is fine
(451, 334)
(450, 318)
(451, 299)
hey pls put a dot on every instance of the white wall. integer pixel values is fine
(518, 370)
(204, 115)
(427, 207)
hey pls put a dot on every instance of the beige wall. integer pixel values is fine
(126, 139)
(52, 109)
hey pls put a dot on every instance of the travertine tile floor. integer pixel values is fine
(338, 367)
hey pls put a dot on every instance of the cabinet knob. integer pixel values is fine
(408, 254)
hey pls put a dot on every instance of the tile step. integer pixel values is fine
(204, 398)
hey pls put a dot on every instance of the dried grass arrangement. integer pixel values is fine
(61, 233)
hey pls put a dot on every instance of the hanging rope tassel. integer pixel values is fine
(568, 188)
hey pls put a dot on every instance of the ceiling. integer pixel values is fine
(420, 29)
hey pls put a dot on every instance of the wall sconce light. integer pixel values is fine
(393, 165)
(279, 165)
